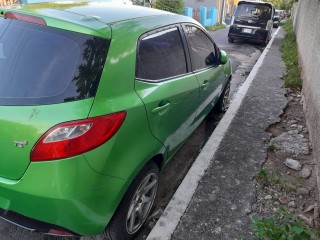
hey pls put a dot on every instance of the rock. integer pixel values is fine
(275, 210)
(291, 143)
(308, 221)
(305, 172)
(218, 230)
(309, 209)
(293, 121)
(268, 197)
(300, 128)
(294, 126)
(292, 204)
(293, 164)
(283, 200)
(303, 191)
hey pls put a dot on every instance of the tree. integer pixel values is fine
(175, 6)
(277, 3)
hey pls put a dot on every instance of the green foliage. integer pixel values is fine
(289, 51)
(281, 226)
(216, 27)
(287, 4)
(269, 178)
(272, 147)
(276, 3)
(175, 6)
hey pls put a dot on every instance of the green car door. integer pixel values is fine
(170, 93)
(206, 66)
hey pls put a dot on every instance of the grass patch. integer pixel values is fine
(272, 147)
(216, 27)
(289, 51)
(269, 178)
(281, 226)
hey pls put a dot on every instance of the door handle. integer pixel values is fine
(160, 108)
(205, 84)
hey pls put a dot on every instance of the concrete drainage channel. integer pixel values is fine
(169, 220)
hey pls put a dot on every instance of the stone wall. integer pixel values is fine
(306, 25)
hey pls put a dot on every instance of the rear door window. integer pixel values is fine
(161, 55)
(43, 65)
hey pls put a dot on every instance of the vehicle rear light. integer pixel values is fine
(25, 18)
(73, 138)
(59, 232)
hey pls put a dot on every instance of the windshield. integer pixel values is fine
(43, 65)
(251, 10)
(276, 13)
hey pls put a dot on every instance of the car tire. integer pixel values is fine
(223, 102)
(230, 40)
(138, 200)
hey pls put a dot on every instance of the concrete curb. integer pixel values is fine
(169, 221)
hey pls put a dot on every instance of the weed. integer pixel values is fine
(216, 27)
(272, 147)
(270, 178)
(289, 51)
(281, 226)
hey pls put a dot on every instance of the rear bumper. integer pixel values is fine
(66, 196)
(256, 35)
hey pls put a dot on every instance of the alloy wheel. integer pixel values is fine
(141, 203)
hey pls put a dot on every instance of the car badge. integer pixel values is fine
(250, 21)
(20, 144)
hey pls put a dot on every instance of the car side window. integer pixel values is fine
(202, 49)
(161, 55)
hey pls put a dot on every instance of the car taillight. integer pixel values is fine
(25, 18)
(73, 138)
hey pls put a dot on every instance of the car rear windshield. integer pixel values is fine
(44, 65)
(252, 10)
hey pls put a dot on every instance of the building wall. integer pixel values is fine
(199, 3)
(195, 4)
(306, 25)
(4, 3)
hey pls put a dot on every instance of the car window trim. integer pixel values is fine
(184, 45)
(216, 49)
(162, 79)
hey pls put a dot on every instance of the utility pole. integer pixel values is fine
(222, 11)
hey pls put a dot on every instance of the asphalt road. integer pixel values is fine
(243, 56)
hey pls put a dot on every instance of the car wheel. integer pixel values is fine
(223, 102)
(135, 205)
(230, 40)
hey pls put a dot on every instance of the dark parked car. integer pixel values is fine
(276, 18)
(253, 21)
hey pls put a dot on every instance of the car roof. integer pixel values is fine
(87, 17)
(255, 2)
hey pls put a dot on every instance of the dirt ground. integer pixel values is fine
(277, 184)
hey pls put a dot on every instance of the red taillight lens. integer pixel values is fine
(73, 138)
(25, 18)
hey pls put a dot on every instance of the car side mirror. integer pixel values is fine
(223, 57)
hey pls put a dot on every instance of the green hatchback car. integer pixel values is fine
(95, 99)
